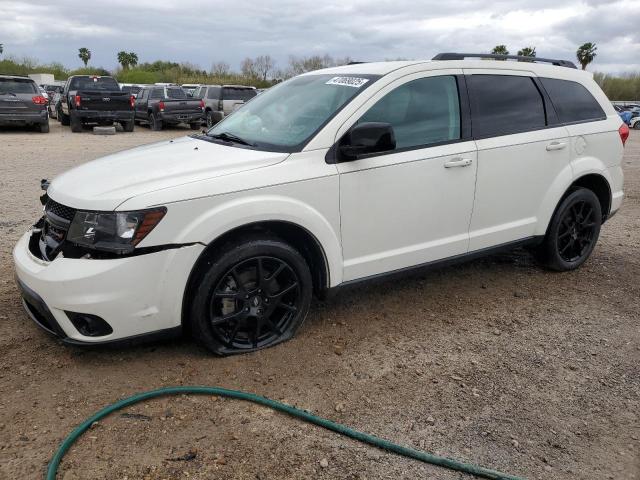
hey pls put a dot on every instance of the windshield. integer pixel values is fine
(285, 117)
(17, 85)
(94, 83)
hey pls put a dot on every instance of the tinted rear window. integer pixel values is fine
(230, 93)
(17, 85)
(177, 93)
(573, 102)
(94, 83)
(505, 104)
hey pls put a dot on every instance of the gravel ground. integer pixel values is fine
(496, 362)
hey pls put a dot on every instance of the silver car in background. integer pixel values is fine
(222, 100)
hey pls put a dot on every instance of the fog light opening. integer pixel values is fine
(89, 325)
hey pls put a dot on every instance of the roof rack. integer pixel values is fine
(493, 56)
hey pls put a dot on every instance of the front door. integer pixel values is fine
(412, 205)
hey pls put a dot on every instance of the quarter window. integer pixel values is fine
(421, 112)
(505, 104)
(573, 102)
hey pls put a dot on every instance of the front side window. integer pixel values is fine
(573, 102)
(505, 104)
(287, 116)
(421, 112)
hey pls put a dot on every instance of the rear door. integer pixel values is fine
(16, 96)
(521, 151)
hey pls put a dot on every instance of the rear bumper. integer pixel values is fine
(24, 118)
(96, 116)
(180, 117)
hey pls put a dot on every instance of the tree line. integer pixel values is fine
(264, 71)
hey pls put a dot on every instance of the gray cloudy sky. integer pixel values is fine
(207, 31)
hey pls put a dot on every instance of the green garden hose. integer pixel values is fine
(52, 470)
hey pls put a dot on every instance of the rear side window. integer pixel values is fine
(505, 104)
(17, 85)
(421, 112)
(230, 93)
(214, 93)
(156, 93)
(573, 102)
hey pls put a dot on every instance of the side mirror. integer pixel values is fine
(365, 139)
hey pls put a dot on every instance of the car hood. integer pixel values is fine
(105, 183)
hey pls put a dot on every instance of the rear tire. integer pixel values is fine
(76, 124)
(251, 296)
(127, 126)
(44, 127)
(209, 119)
(194, 126)
(155, 123)
(62, 118)
(573, 231)
(636, 126)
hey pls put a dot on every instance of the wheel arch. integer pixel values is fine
(596, 180)
(293, 234)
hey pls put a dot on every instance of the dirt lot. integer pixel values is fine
(495, 362)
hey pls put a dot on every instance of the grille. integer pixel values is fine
(60, 210)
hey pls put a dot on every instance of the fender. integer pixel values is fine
(576, 169)
(238, 212)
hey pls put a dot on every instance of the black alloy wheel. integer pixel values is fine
(576, 231)
(255, 302)
(252, 295)
(573, 231)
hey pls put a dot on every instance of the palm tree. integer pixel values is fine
(84, 54)
(123, 59)
(1, 48)
(527, 52)
(133, 59)
(500, 50)
(586, 53)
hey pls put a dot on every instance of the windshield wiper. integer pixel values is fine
(230, 137)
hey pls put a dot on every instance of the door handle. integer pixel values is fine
(457, 162)
(556, 146)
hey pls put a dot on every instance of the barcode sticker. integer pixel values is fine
(348, 81)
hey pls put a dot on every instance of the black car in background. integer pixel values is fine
(22, 103)
(97, 100)
(168, 105)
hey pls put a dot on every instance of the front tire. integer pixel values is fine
(251, 296)
(636, 126)
(573, 231)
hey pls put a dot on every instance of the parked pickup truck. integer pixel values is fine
(94, 99)
(166, 105)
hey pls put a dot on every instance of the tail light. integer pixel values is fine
(161, 105)
(202, 104)
(132, 101)
(39, 100)
(624, 133)
(78, 99)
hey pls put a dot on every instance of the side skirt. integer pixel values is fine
(464, 257)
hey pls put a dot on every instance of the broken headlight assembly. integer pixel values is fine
(116, 232)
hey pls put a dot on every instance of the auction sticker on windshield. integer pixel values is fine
(348, 81)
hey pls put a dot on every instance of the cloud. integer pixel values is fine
(206, 32)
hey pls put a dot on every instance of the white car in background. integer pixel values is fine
(330, 178)
(635, 123)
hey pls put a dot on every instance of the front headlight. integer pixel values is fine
(117, 232)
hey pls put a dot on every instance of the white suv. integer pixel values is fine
(329, 178)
